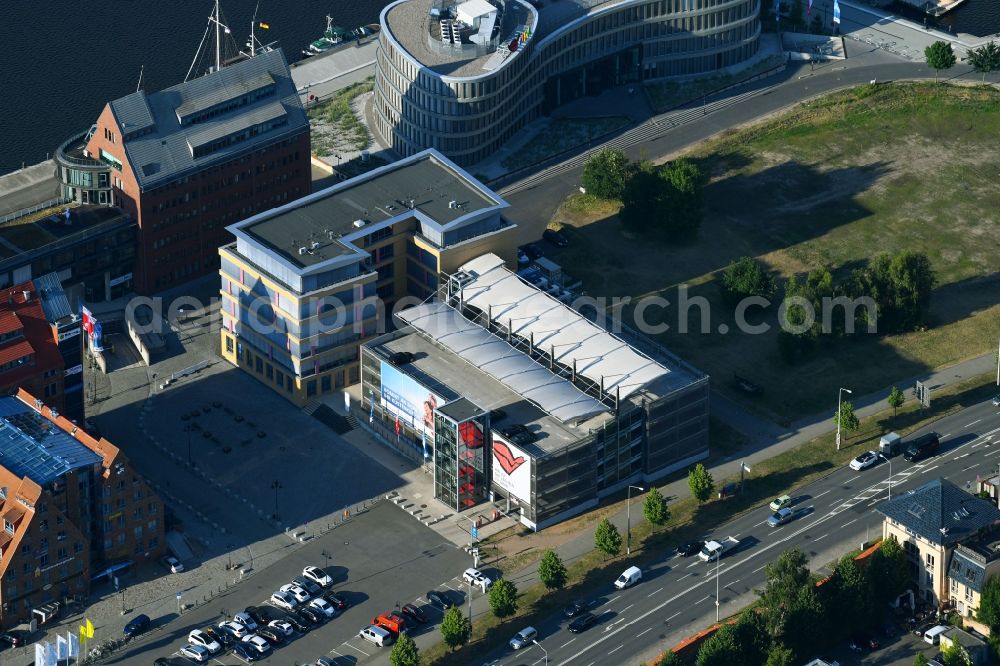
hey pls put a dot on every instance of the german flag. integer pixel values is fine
(263, 26)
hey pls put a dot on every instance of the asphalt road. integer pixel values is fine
(676, 597)
(380, 558)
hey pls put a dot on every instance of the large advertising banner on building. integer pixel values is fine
(511, 469)
(413, 404)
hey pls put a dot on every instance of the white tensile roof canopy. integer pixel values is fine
(473, 9)
(517, 371)
(556, 328)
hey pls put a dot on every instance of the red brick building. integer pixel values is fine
(70, 504)
(190, 160)
(29, 354)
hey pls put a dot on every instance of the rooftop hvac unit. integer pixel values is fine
(302, 250)
(358, 224)
(314, 244)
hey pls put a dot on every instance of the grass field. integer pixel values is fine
(334, 123)
(830, 183)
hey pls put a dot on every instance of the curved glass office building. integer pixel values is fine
(464, 76)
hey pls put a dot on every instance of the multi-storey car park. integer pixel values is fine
(463, 77)
(513, 396)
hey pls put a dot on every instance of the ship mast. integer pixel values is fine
(220, 29)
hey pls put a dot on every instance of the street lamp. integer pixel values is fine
(276, 486)
(327, 555)
(628, 518)
(882, 456)
(840, 393)
(546, 652)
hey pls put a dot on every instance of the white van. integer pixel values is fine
(376, 635)
(933, 635)
(629, 577)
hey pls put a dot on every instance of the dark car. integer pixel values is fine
(136, 626)
(223, 638)
(296, 622)
(533, 251)
(414, 613)
(557, 238)
(246, 652)
(402, 358)
(309, 615)
(582, 623)
(438, 600)
(260, 615)
(310, 586)
(690, 548)
(324, 661)
(14, 638)
(271, 636)
(869, 641)
(575, 608)
(338, 601)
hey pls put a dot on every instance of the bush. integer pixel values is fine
(746, 277)
(606, 173)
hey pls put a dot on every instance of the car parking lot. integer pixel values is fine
(369, 569)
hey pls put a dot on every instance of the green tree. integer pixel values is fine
(895, 400)
(455, 629)
(846, 417)
(989, 603)
(852, 598)
(664, 201)
(552, 571)
(921, 660)
(654, 507)
(404, 652)
(889, 571)
(795, 14)
(503, 599)
(687, 208)
(721, 649)
(939, 55)
(606, 173)
(607, 538)
(746, 277)
(785, 576)
(985, 59)
(751, 636)
(779, 655)
(700, 482)
(954, 655)
(670, 658)
(912, 281)
(804, 623)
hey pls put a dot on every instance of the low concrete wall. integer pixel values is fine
(138, 342)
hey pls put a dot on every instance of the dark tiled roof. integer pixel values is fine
(941, 512)
(159, 146)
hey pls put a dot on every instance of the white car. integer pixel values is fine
(234, 629)
(284, 600)
(257, 643)
(476, 577)
(199, 637)
(318, 576)
(246, 621)
(195, 653)
(300, 595)
(173, 564)
(323, 606)
(282, 627)
(864, 461)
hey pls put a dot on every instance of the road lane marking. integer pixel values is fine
(969, 425)
(684, 576)
(849, 523)
(705, 598)
(566, 643)
(671, 617)
(966, 469)
(627, 607)
(643, 632)
(657, 591)
(929, 469)
(734, 582)
(822, 537)
(961, 456)
(821, 494)
(356, 648)
(617, 648)
(758, 569)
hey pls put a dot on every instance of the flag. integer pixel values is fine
(83, 633)
(50, 655)
(809, 8)
(74, 644)
(397, 425)
(40, 653)
(777, 9)
(836, 12)
(98, 336)
(371, 414)
(87, 320)
(89, 629)
(423, 440)
(62, 647)
(263, 26)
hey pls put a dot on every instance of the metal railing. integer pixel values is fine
(10, 217)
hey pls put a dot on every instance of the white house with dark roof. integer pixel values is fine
(932, 522)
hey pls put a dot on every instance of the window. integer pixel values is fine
(968, 594)
(929, 560)
(153, 543)
(311, 388)
(325, 384)
(954, 586)
(229, 345)
(930, 579)
(8, 526)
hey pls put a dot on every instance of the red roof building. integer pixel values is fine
(29, 353)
